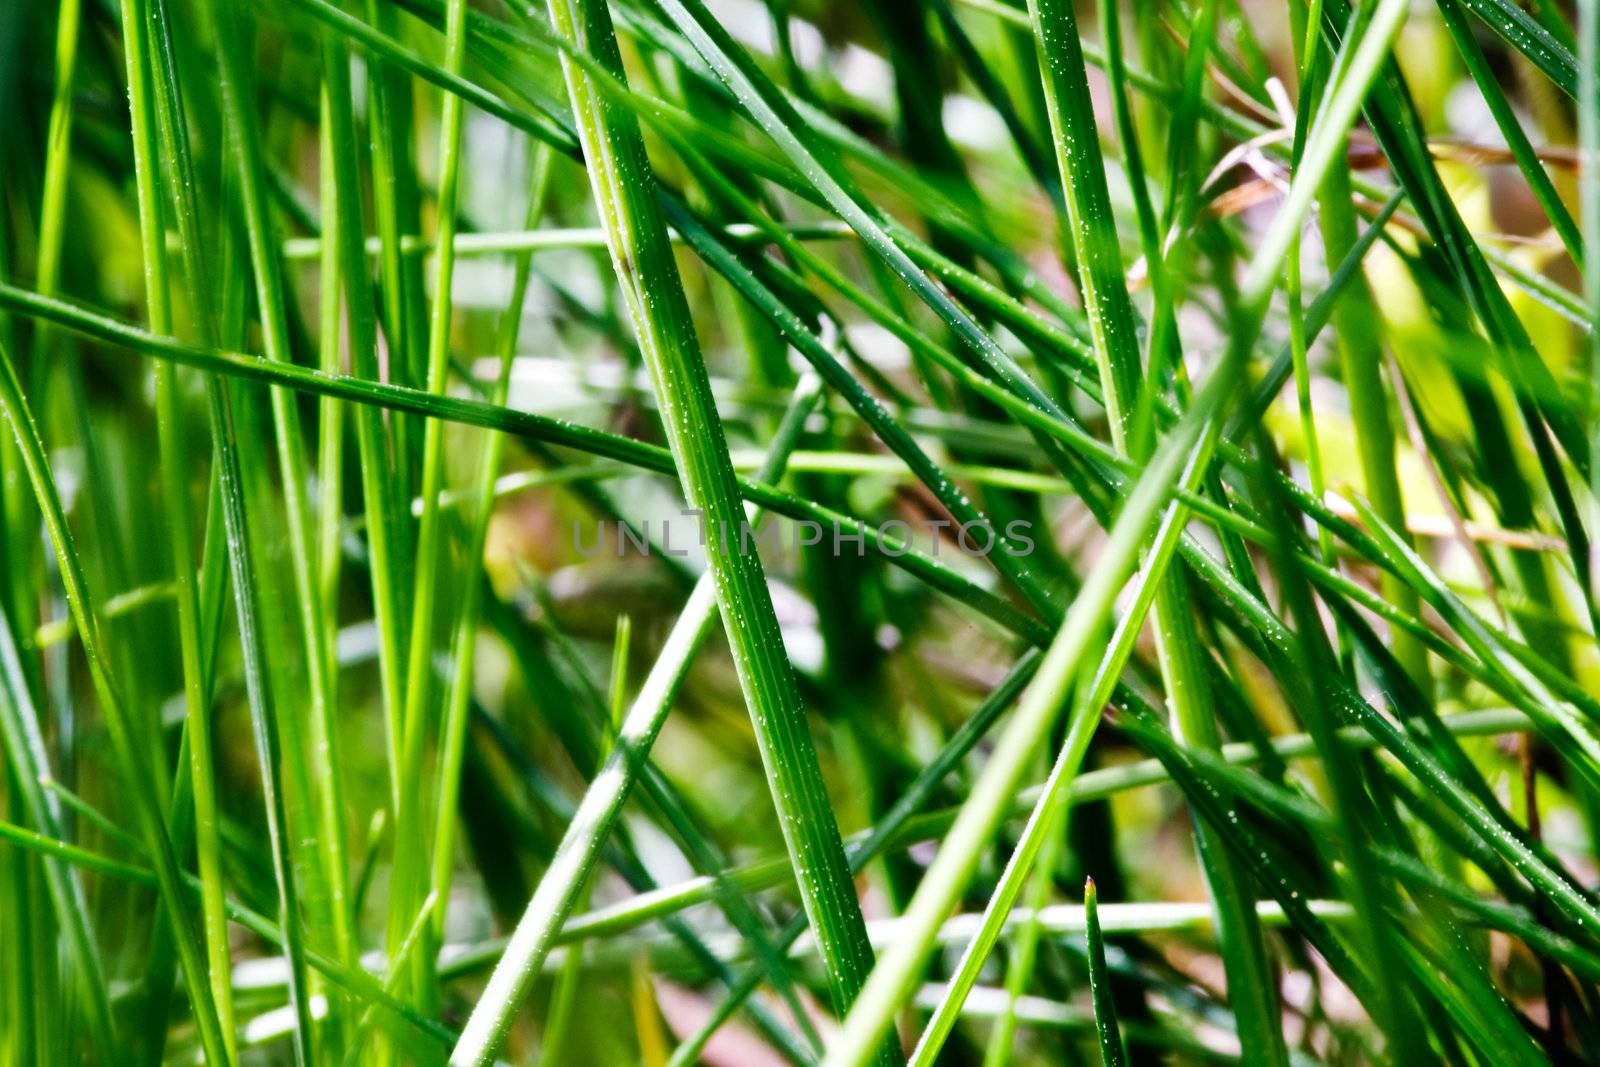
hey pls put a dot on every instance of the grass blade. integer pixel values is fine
(1112, 1052)
(641, 256)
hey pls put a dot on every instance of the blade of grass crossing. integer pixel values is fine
(723, 260)
(536, 428)
(1047, 812)
(1046, 827)
(864, 850)
(1025, 950)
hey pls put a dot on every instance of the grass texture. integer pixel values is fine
(780, 532)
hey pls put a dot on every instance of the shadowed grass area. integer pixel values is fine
(772, 531)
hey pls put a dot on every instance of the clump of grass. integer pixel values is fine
(1143, 448)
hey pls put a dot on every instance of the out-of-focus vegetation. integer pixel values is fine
(1166, 430)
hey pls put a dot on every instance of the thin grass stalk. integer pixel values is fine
(388, 133)
(331, 358)
(58, 153)
(550, 238)
(1183, 169)
(384, 537)
(1357, 332)
(464, 641)
(173, 451)
(1150, 242)
(237, 100)
(1112, 1051)
(1311, 70)
(410, 867)
(1181, 207)
(331, 416)
(1024, 952)
(264, 725)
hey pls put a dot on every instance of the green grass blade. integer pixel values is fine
(641, 255)
(1112, 1052)
(267, 723)
(150, 94)
(418, 724)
